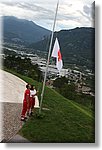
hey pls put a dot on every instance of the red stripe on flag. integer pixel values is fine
(59, 56)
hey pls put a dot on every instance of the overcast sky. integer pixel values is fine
(71, 13)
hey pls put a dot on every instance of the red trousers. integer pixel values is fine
(25, 108)
(32, 102)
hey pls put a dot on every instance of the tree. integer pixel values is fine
(23, 66)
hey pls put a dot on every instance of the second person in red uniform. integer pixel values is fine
(26, 102)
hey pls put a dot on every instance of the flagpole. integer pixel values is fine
(42, 94)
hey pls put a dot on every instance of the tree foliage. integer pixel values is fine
(23, 66)
(69, 91)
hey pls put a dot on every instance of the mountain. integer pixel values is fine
(22, 31)
(77, 45)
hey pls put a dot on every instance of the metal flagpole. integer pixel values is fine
(42, 94)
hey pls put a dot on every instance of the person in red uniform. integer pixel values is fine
(26, 103)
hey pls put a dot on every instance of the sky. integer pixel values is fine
(71, 13)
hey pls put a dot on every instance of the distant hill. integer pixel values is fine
(77, 45)
(22, 31)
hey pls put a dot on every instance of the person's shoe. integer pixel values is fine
(25, 118)
(27, 113)
(31, 113)
(22, 119)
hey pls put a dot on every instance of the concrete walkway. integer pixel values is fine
(18, 139)
(11, 97)
(11, 87)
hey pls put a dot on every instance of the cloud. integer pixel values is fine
(70, 13)
(26, 5)
(86, 9)
(8, 3)
(33, 7)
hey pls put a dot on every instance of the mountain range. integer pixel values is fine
(77, 45)
(22, 31)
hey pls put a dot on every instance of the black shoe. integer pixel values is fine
(25, 118)
(22, 119)
(31, 113)
(27, 113)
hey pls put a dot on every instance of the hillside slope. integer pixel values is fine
(62, 121)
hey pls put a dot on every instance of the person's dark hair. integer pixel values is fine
(27, 86)
(32, 87)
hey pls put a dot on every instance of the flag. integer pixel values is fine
(57, 54)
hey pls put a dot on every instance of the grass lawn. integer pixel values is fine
(65, 121)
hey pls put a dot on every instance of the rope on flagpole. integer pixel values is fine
(42, 94)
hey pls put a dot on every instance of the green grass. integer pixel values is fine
(65, 121)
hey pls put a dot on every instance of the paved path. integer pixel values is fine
(11, 87)
(18, 139)
(11, 98)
